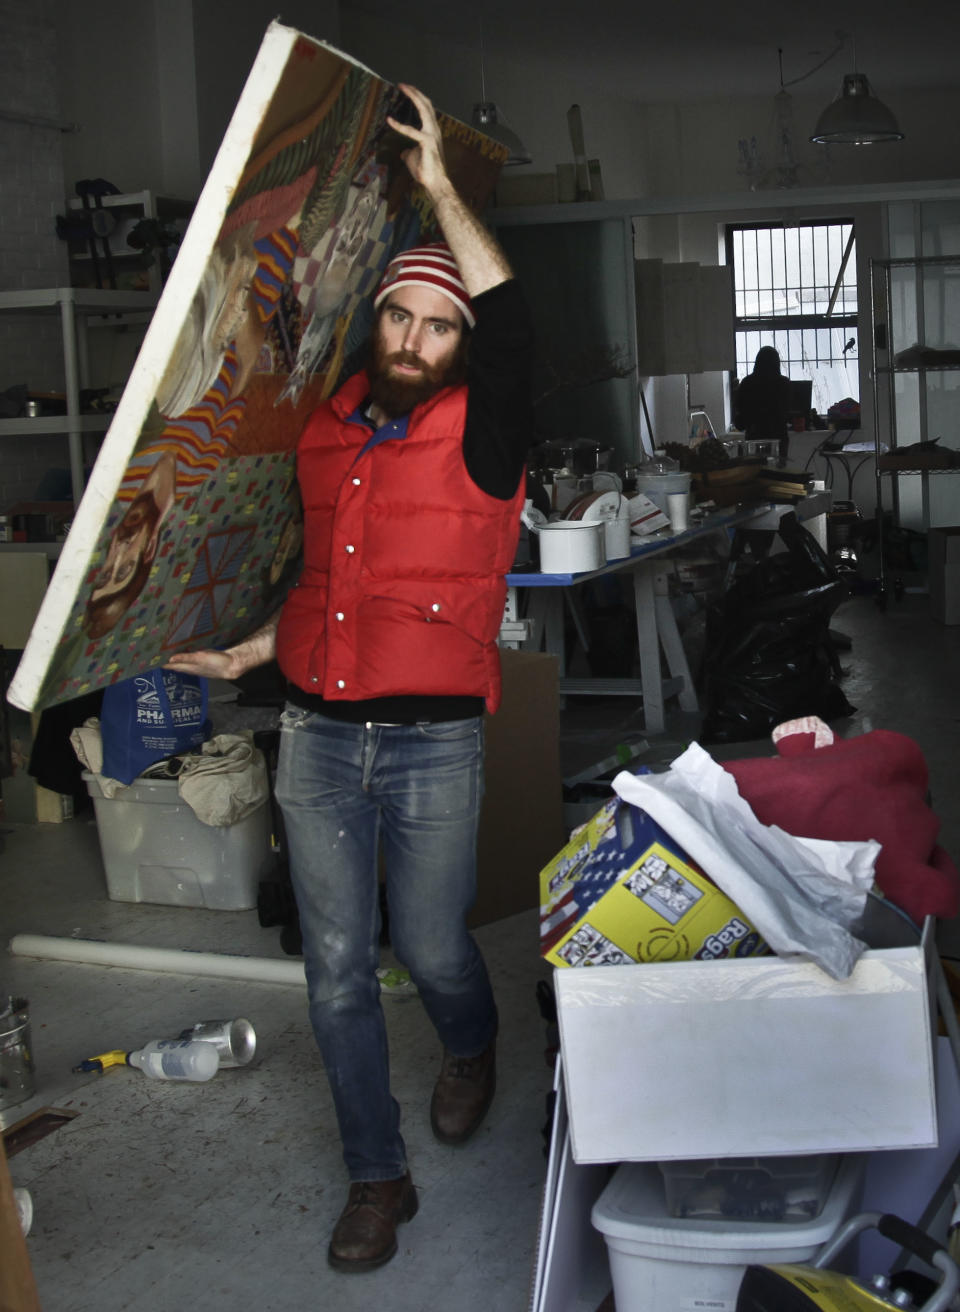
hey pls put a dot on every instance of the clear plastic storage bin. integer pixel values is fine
(155, 849)
(661, 1263)
(749, 1188)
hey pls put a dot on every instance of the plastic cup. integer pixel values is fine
(678, 509)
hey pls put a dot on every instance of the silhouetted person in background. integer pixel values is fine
(761, 405)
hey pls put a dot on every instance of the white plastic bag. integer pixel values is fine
(801, 894)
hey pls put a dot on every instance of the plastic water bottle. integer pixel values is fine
(176, 1059)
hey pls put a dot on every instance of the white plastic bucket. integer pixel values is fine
(572, 546)
(659, 486)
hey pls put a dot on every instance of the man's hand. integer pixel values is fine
(424, 158)
(258, 649)
(479, 257)
(208, 663)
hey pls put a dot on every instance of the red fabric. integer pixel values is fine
(402, 590)
(874, 786)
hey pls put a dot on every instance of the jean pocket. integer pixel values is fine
(293, 717)
(452, 731)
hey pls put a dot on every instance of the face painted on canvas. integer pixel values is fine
(132, 549)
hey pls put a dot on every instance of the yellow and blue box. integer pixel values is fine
(623, 891)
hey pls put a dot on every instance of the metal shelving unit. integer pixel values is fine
(78, 309)
(890, 359)
(117, 215)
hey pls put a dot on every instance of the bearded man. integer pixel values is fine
(412, 483)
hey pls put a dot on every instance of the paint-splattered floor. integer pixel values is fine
(222, 1195)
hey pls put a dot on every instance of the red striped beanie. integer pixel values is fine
(430, 266)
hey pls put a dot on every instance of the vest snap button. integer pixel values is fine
(339, 614)
(314, 679)
(350, 550)
(435, 606)
(341, 684)
(356, 482)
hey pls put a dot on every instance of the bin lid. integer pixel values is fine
(633, 1207)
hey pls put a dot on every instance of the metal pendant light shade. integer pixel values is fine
(486, 117)
(856, 117)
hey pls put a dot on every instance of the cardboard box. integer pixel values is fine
(944, 573)
(623, 891)
(738, 1058)
(521, 823)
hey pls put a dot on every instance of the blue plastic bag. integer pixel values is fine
(149, 717)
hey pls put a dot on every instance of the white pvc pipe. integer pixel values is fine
(259, 970)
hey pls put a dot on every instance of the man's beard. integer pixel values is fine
(397, 396)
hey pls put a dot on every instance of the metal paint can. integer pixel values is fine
(234, 1040)
(17, 1073)
(32, 410)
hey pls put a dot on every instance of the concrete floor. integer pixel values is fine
(160, 1195)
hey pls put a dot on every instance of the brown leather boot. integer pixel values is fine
(462, 1095)
(365, 1236)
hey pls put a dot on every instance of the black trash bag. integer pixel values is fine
(770, 657)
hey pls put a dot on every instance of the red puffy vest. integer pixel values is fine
(402, 589)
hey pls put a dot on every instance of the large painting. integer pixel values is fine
(189, 529)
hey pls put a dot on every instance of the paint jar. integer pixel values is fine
(17, 1073)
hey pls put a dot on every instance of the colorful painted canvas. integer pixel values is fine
(189, 529)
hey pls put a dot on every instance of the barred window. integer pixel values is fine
(795, 288)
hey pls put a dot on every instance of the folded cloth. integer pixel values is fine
(225, 780)
(872, 786)
(88, 746)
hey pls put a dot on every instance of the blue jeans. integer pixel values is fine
(415, 790)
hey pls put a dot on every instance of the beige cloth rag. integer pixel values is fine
(226, 780)
(88, 745)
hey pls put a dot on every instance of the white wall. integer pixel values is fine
(529, 93)
(685, 148)
(153, 84)
(109, 86)
(31, 254)
(693, 148)
(226, 40)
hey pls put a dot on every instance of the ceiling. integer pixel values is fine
(698, 50)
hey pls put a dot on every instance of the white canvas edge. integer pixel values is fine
(120, 441)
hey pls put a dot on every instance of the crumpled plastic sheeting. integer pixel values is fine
(801, 894)
(225, 780)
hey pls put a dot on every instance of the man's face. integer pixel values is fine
(131, 541)
(417, 348)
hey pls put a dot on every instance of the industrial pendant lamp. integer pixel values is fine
(856, 117)
(488, 119)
